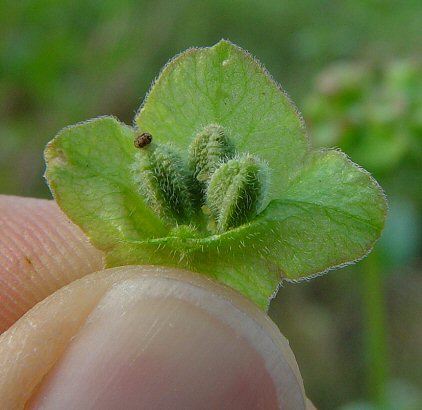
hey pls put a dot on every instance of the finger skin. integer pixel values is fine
(309, 405)
(41, 250)
(112, 337)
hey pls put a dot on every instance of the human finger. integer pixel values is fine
(147, 337)
(41, 250)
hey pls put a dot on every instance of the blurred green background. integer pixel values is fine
(353, 69)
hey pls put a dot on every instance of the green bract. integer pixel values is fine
(228, 187)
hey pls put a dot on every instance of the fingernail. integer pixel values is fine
(156, 342)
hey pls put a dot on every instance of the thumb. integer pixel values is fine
(147, 338)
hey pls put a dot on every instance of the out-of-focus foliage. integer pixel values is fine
(401, 395)
(62, 61)
(374, 113)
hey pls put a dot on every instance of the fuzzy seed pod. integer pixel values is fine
(236, 192)
(208, 149)
(164, 181)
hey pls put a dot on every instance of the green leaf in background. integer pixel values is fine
(320, 211)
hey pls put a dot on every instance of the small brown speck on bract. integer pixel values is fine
(143, 140)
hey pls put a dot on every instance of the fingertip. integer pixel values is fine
(41, 250)
(155, 338)
(310, 405)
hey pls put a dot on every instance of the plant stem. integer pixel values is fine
(376, 353)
